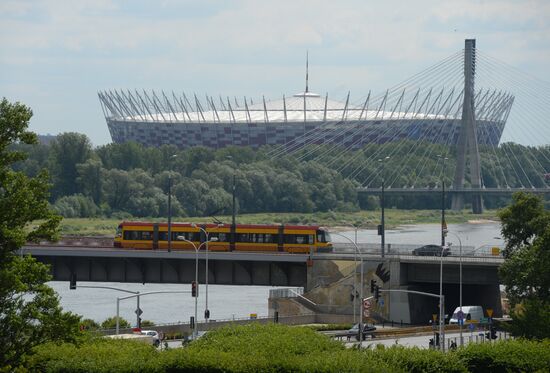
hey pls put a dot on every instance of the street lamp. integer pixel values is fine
(460, 285)
(197, 248)
(361, 290)
(383, 222)
(170, 204)
(214, 239)
(443, 223)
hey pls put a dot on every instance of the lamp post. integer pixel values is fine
(170, 204)
(213, 239)
(460, 285)
(361, 290)
(382, 205)
(443, 223)
(197, 248)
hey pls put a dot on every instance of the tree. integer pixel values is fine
(110, 323)
(29, 310)
(68, 150)
(526, 270)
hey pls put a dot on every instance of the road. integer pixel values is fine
(422, 341)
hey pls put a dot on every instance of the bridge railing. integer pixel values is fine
(406, 249)
(286, 293)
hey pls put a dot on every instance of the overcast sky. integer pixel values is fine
(56, 55)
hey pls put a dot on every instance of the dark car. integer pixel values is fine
(431, 250)
(367, 330)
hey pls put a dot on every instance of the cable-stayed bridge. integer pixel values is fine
(459, 122)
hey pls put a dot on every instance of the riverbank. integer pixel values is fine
(339, 220)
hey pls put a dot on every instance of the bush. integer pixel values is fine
(277, 348)
(76, 206)
(418, 360)
(98, 355)
(507, 356)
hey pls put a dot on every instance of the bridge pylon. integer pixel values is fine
(467, 148)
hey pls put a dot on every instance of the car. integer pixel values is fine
(367, 330)
(154, 335)
(431, 250)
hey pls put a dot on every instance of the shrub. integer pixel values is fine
(507, 356)
(98, 355)
(418, 360)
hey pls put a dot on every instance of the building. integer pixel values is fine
(154, 119)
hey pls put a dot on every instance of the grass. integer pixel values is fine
(365, 219)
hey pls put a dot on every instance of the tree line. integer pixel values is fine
(130, 179)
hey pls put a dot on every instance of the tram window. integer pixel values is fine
(222, 237)
(243, 237)
(270, 238)
(146, 235)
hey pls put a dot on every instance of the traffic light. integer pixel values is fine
(194, 289)
(377, 293)
(139, 322)
(72, 284)
(372, 286)
(493, 332)
(206, 314)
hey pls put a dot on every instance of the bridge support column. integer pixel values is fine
(467, 142)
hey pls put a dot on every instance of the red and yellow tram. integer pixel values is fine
(224, 237)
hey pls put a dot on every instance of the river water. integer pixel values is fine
(226, 302)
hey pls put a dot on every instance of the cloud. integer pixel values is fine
(250, 47)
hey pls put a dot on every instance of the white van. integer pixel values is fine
(472, 314)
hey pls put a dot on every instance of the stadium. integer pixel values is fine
(433, 114)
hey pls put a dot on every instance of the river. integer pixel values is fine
(226, 302)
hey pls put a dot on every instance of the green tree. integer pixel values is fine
(526, 270)
(29, 310)
(89, 179)
(68, 150)
(110, 323)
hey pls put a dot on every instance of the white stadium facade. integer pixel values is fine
(434, 115)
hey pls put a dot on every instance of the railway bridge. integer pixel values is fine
(329, 279)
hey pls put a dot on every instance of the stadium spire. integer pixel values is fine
(307, 70)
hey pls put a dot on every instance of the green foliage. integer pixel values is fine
(134, 179)
(76, 206)
(506, 356)
(277, 348)
(110, 323)
(526, 271)
(89, 324)
(29, 310)
(147, 323)
(324, 327)
(531, 319)
(97, 355)
(415, 360)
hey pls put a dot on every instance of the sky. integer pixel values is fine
(56, 55)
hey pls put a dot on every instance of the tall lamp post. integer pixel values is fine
(170, 204)
(197, 248)
(362, 286)
(213, 239)
(443, 223)
(443, 233)
(382, 205)
(460, 285)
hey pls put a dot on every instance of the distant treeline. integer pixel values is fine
(130, 179)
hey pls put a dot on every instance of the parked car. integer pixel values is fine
(431, 250)
(154, 335)
(367, 330)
